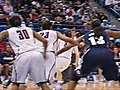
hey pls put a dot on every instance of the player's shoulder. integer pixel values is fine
(26, 28)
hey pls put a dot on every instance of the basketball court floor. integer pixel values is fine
(89, 86)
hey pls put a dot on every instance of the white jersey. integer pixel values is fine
(66, 54)
(51, 37)
(21, 39)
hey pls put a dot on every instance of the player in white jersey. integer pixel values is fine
(28, 59)
(63, 60)
(52, 38)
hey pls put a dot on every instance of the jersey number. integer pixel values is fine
(45, 34)
(23, 34)
(100, 40)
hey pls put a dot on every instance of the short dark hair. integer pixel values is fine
(46, 25)
(68, 33)
(15, 21)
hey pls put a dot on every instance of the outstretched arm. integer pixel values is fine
(114, 34)
(66, 39)
(80, 38)
(77, 55)
(67, 47)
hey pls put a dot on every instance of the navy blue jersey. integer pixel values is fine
(5, 58)
(93, 41)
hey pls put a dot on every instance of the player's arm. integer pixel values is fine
(114, 34)
(80, 38)
(3, 34)
(64, 38)
(40, 38)
(67, 47)
(77, 54)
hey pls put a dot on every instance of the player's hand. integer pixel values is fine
(75, 64)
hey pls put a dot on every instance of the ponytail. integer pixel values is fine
(98, 31)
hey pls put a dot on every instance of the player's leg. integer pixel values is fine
(62, 64)
(37, 70)
(110, 71)
(50, 66)
(15, 86)
(108, 65)
(75, 77)
(72, 85)
(43, 85)
(20, 70)
(22, 87)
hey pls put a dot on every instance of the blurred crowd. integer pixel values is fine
(71, 12)
(76, 14)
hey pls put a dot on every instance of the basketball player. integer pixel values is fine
(52, 38)
(28, 59)
(98, 54)
(63, 60)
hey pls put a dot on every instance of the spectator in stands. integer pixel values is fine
(7, 8)
(87, 25)
(2, 2)
(1, 9)
(29, 23)
(112, 26)
(2, 45)
(85, 17)
(3, 20)
(95, 12)
(105, 24)
(110, 2)
(25, 13)
(117, 44)
(69, 22)
(36, 7)
(80, 11)
(89, 10)
(102, 16)
(87, 3)
(58, 20)
(77, 4)
(117, 7)
(116, 53)
(54, 9)
(43, 19)
(18, 8)
(7, 59)
(34, 17)
(70, 11)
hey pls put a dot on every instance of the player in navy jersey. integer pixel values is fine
(28, 59)
(97, 55)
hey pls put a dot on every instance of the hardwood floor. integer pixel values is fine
(80, 86)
